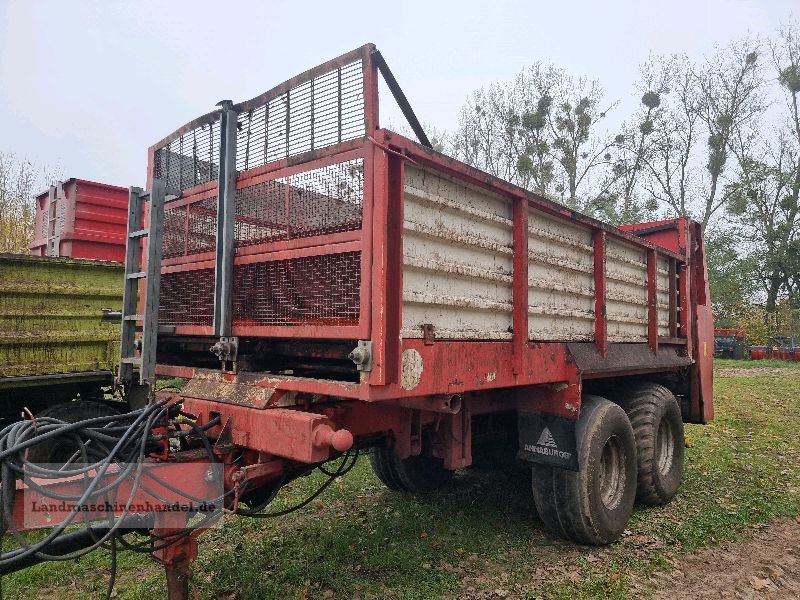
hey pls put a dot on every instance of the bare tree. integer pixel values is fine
(633, 151)
(720, 100)
(540, 132)
(503, 129)
(668, 161)
(729, 99)
(17, 205)
(579, 148)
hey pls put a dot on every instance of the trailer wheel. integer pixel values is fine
(59, 451)
(422, 473)
(658, 426)
(591, 505)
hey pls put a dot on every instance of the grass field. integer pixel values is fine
(479, 538)
(721, 363)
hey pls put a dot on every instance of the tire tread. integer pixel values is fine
(644, 403)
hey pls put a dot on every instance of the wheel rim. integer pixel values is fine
(665, 450)
(612, 473)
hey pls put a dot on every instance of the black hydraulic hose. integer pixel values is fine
(71, 542)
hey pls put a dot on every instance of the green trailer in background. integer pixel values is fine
(55, 344)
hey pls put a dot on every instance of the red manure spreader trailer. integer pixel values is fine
(326, 286)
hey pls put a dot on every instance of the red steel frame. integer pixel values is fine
(520, 362)
(517, 363)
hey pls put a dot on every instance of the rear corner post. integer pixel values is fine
(387, 265)
(371, 116)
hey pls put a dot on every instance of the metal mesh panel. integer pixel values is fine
(320, 201)
(321, 112)
(196, 234)
(174, 240)
(187, 298)
(202, 230)
(189, 160)
(261, 213)
(313, 290)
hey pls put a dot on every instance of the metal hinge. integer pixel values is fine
(227, 351)
(362, 355)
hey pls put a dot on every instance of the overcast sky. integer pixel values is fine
(86, 87)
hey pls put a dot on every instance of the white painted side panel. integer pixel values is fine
(560, 279)
(457, 270)
(457, 254)
(626, 292)
(662, 296)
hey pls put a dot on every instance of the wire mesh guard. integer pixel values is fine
(316, 202)
(319, 112)
(312, 290)
(190, 229)
(323, 111)
(190, 159)
(187, 298)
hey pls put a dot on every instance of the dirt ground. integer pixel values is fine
(757, 371)
(764, 566)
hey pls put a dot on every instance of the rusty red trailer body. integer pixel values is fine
(78, 218)
(360, 289)
(318, 258)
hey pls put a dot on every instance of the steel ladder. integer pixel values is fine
(142, 274)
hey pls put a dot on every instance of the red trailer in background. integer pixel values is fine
(81, 219)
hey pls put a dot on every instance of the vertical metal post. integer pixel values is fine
(387, 265)
(339, 105)
(226, 214)
(52, 222)
(147, 372)
(371, 106)
(600, 320)
(673, 299)
(519, 285)
(652, 296)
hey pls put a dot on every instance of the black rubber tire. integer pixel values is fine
(54, 451)
(417, 474)
(657, 423)
(577, 505)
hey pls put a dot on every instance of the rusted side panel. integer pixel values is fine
(457, 259)
(458, 269)
(560, 279)
(50, 315)
(627, 295)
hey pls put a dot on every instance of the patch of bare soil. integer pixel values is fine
(757, 372)
(764, 566)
